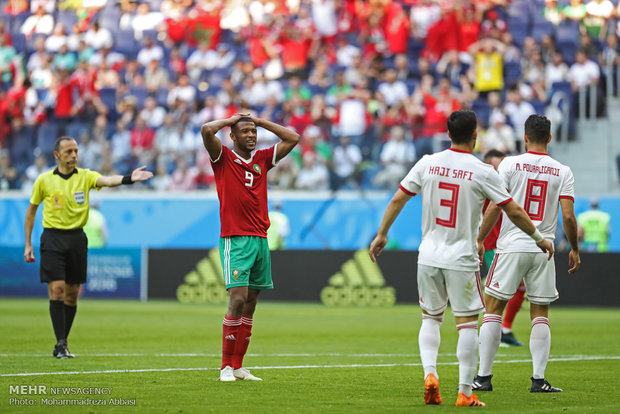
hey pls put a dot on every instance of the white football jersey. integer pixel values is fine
(454, 185)
(537, 182)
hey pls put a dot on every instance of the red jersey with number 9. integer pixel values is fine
(242, 191)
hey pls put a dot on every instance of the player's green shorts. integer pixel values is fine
(246, 261)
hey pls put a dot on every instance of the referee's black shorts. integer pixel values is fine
(63, 256)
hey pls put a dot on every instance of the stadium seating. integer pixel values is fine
(46, 136)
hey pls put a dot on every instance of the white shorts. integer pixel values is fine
(463, 288)
(509, 269)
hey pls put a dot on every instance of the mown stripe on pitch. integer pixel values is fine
(131, 371)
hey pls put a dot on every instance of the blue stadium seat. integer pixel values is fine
(568, 50)
(483, 111)
(512, 73)
(18, 21)
(19, 42)
(22, 146)
(42, 94)
(412, 85)
(46, 136)
(125, 43)
(140, 93)
(162, 97)
(519, 33)
(67, 18)
(542, 28)
(108, 97)
(76, 129)
(539, 106)
(567, 32)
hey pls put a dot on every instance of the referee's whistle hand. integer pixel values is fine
(29, 254)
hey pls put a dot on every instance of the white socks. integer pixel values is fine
(429, 339)
(490, 337)
(467, 354)
(540, 343)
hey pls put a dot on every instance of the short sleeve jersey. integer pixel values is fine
(65, 201)
(454, 186)
(242, 191)
(537, 182)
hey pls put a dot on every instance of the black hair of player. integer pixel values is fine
(59, 141)
(538, 129)
(493, 154)
(462, 124)
(242, 119)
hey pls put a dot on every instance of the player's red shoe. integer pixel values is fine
(431, 390)
(465, 401)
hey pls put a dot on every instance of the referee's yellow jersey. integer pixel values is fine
(65, 198)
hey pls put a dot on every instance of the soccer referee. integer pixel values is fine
(64, 192)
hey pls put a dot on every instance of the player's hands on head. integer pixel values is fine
(139, 174)
(574, 261)
(547, 247)
(376, 247)
(29, 254)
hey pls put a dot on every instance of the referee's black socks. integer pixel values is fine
(69, 315)
(57, 313)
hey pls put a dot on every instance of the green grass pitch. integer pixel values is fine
(313, 359)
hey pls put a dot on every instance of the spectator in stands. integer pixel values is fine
(142, 139)
(576, 11)
(499, 136)
(518, 111)
(392, 90)
(296, 88)
(183, 141)
(38, 23)
(120, 150)
(184, 177)
(8, 57)
(488, 65)
(32, 172)
(145, 19)
(583, 72)
(347, 158)
(205, 177)
(314, 175)
(320, 78)
(423, 15)
(75, 38)
(598, 12)
(182, 91)
(8, 173)
(91, 156)
(452, 67)
(107, 77)
(64, 59)
(590, 48)
(556, 70)
(552, 12)
(397, 157)
(42, 77)
(162, 180)
(152, 114)
(35, 61)
(58, 38)
(149, 52)
(98, 37)
(533, 70)
(113, 59)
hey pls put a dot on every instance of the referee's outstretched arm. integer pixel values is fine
(139, 174)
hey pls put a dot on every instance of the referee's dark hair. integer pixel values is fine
(59, 140)
(493, 154)
(462, 124)
(538, 128)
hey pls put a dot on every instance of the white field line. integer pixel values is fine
(301, 355)
(129, 371)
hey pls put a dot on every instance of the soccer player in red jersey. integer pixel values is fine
(241, 181)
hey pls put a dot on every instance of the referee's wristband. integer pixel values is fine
(537, 236)
(127, 179)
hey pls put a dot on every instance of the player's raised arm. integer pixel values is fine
(289, 137)
(208, 131)
(519, 217)
(139, 174)
(391, 212)
(570, 229)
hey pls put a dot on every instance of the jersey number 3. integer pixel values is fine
(250, 179)
(535, 196)
(451, 203)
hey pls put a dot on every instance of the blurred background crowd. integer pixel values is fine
(368, 84)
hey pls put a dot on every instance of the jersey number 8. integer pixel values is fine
(536, 192)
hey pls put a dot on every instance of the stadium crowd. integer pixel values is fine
(368, 84)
